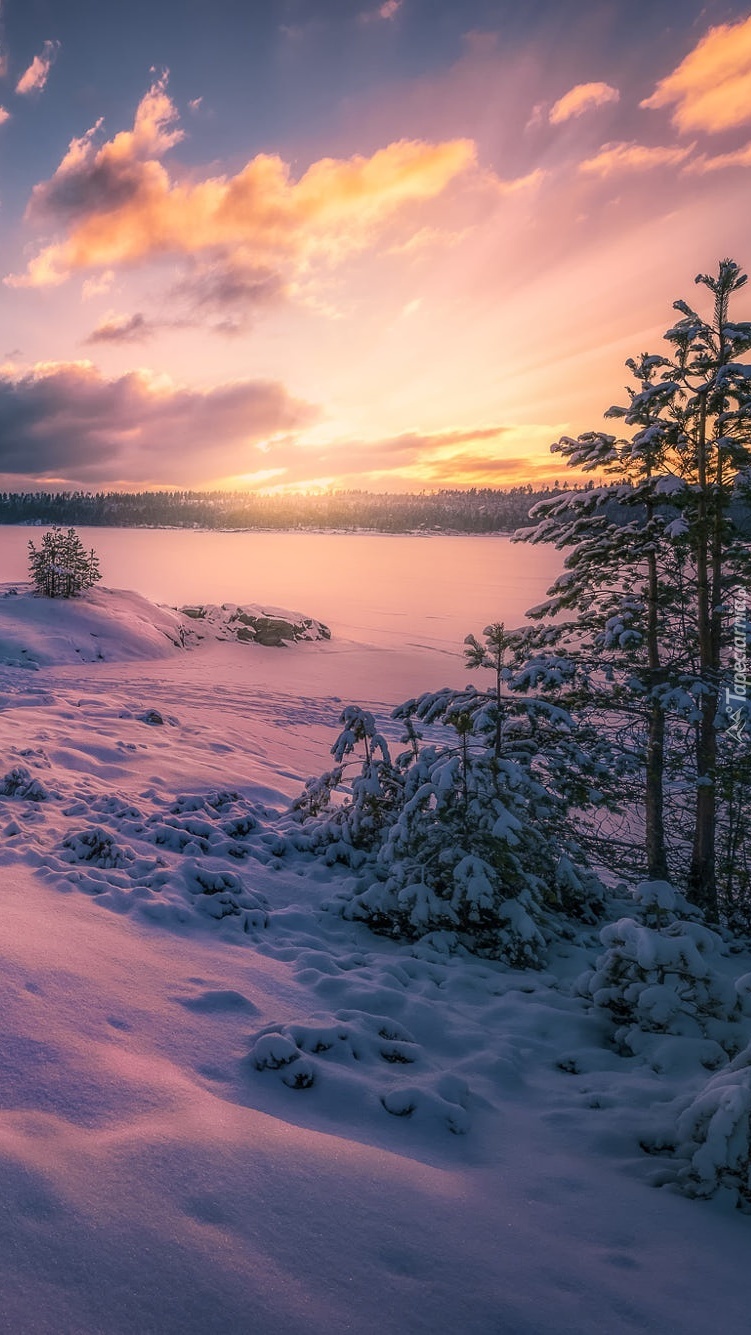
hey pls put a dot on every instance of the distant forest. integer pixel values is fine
(479, 510)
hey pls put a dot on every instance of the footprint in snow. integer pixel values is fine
(218, 1001)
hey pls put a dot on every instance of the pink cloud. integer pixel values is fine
(386, 11)
(35, 77)
(615, 158)
(583, 97)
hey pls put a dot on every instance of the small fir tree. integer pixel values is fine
(491, 654)
(452, 838)
(61, 567)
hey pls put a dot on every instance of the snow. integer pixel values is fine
(118, 625)
(226, 1108)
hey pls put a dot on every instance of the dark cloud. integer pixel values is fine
(221, 297)
(123, 329)
(68, 421)
(102, 178)
(225, 283)
(104, 186)
(228, 290)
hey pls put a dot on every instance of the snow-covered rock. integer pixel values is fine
(253, 624)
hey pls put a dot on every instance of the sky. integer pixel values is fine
(293, 244)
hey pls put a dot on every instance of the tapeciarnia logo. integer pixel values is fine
(737, 695)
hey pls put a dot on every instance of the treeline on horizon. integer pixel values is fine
(476, 510)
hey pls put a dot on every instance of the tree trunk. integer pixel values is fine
(499, 707)
(702, 874)
(657, 863)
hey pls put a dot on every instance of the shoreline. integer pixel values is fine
(317, 531)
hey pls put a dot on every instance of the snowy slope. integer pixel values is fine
(165, 1170)
(118, 625)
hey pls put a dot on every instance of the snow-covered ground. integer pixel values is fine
(455, 1146)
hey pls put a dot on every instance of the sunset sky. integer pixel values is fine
(303, 243)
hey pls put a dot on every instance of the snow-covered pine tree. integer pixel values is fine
(634, 627)
(453, 838)
(711, 412)
(349, 828)
(492, 654)
(60, 567)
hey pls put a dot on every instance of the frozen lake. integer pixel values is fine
(399, 590)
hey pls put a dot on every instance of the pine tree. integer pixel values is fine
(492, 655)
(60, 567)
(451, 838)
(655, 556)
(711, 414)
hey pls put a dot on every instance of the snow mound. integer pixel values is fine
(665, 981)
(119, 625)
(113, 624)
(354, 1059)
(714, 1136)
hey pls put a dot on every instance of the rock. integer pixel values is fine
(254, 625)
(273, 631)
(152, 717)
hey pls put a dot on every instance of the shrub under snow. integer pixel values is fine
(664, 979)
(459, 836)
(711, 1142)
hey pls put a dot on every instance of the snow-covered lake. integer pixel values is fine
(399, 590)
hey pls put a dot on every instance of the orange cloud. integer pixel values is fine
(413, 457)
(4, 115)
(584, 97)
(454, 457)
(121, 206)
(632, 157)
(35, 77)
(711, 89)
(738, 157)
